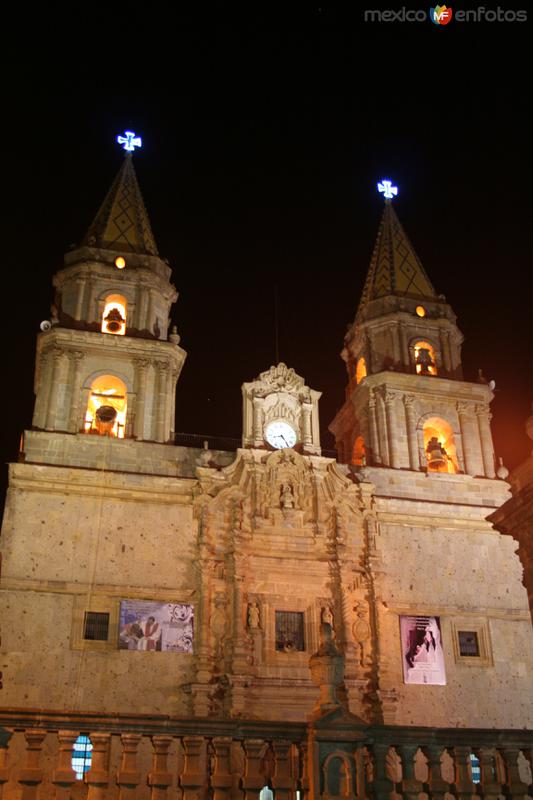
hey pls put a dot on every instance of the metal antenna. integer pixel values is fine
(276, 323)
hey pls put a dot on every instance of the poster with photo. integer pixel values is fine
(159, 627)
(422, 653)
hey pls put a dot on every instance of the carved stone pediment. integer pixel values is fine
(280, 377)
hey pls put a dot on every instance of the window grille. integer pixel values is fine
(289, 631)
(468, 643)
(81, 756)
(476, 769)
(96, 626)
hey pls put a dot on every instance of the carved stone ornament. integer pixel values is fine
(327, 670)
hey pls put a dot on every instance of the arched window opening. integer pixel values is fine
(114, 316)
(425, 360)
(359, 452)
(439, 446)
(106, 409)
(360, 370)
(81, 756)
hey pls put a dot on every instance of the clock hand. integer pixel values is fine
(284, 439)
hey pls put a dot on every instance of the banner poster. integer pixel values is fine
(152, 626)
(422, 653)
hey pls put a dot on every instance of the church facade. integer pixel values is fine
(141, 576)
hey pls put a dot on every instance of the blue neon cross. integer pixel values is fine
(388, 189)
(129, 141)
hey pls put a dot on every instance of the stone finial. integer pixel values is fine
(327, 670)
(502, 472)
(174, 337)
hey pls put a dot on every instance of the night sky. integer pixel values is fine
(264, 137)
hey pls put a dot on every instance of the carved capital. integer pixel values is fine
(141, 364)
(465, 407)
(58, 352)
(482, 410)
(389, 397)
(76, 355)
(408, 401)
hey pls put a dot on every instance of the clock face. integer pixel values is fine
(280, 434)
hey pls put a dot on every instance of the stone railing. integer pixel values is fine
(335, 755)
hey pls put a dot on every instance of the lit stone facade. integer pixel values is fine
(265, 544)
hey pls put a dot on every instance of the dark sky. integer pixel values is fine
(264, 136)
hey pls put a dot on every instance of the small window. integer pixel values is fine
(360, 370)
(468, 643)
(289, 631)
(81, 756)
(96, 626)
(471, 642)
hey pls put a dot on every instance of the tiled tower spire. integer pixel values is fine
(122, 222)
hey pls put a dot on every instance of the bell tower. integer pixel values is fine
(106, 365)
(407, 405)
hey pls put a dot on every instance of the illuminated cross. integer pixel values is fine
(389, 191)
(129, 141)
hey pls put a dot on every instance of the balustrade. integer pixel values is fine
(162, 758)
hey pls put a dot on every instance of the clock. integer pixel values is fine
(280, 434)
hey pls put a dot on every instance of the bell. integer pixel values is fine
(105, 419)
(424, 360)
(114, 321)
(437, 455)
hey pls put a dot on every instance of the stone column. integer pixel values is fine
(128, 776)
(150, 311)
(392, 428)
(169, 423)
(141, 308)
(42, 387)
(410, 424)
(221, 777)
(141, 365)
(173, 404)
(76, 358)
(485, 435)
(64, 776)
(470, 437)
(515, 788)
(160, 408)
(193, 779)
(253, 780)
(404, 347)
(58, 376)
(5, 736)
(98, 775)
(464, 788)
(79, 298)
(306, 424)
(411, 786)
(374, 438)
(445, 349)
(160, 778)
(90, 303)
(283, 782)
(257, 425)
(31, 774)
(438, 786)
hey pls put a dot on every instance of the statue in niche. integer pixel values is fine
(217, 625)
(327, 617)
(287, 496)
(361, 634)
(254, 616)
